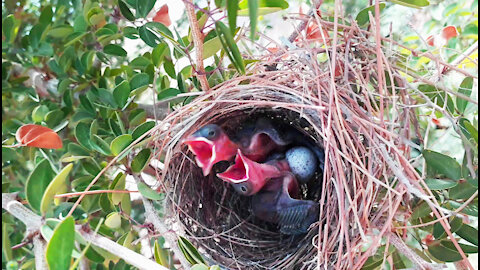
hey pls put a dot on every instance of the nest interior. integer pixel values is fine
(367, 173)
(221, 219)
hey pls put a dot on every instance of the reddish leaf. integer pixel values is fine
(436, 121)
(38, 136)
(273, 49)
(162, 16)
(313, 32)
(431, 41)
(339, 68)
(440, 40)
(449, 32)
(428, 239)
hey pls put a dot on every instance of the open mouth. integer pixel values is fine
(204, 151)
(236, 173)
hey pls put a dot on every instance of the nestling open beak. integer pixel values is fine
(204, 151)
(250, 172)
(238, 172)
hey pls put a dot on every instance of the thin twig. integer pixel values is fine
(73, 194)
(407, 252)
(153, 216)
(34, 222)
(198, 43)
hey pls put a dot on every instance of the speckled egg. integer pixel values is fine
(302, 162)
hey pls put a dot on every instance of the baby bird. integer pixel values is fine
(248, 177)
(277, 203)
(210, 144)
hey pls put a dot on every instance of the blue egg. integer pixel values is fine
(302, 162)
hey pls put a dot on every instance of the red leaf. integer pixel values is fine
(431, 40)
(449, 32)
(162, 16)
(428, 239)
(273, 49)
(339, 68)
(313, 33)
(38, 136)
(436, 121)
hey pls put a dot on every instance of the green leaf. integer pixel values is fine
(372, 262)
(140, 80)
(37, 183)
(363, 17)
(471, 209)
(38, 114)
(468, 130)
(35, 35)
(439, 184)
(141, 160)
(118, 184)
(143, 7)
(121, 93)
(126, 12)
(169, 69)
(12, 265)
(211, 47)
(439, 231)
(86, 104)
(191, 253)
(159, 53)
(54, 118)
(265, 7)
(232, 9)
(412, 3)
(462, 191)
(148, 36)
(115, 50)
(130, 32)
(137, 116)
(60, 31)
(10, 27)
(82, 134)
(468, 233)
(230, 46)
(56, 186)
(113, 220)
(444, 254)
(161, 255)
(468, 249)
(199, 266)
(167, 93)
(120, 143)
(60, 247)
(100, 145)
(422, 210)
(149, 193)
(46, 15)
(140, 62)
(142, 129)
(6, 244)
(443, 164)
(79, 24)
(162, 29)
(466, 89)
(126, 204)
(253, 14)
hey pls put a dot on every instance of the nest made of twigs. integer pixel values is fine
(343, 114)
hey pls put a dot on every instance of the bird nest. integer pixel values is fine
(345, 110)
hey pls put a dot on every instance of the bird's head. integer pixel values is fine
(210, 145)
(248, 177)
